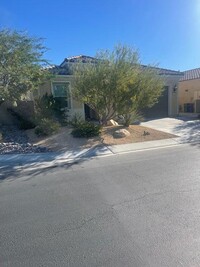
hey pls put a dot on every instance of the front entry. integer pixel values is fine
(90, 114)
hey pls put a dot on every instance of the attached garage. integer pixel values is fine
(160, 109)
(167, 105)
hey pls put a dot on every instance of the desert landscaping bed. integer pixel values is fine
(137, 134)
(64, 141)
(16, 141)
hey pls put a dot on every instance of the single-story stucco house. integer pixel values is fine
(62, 85)
(189, 92)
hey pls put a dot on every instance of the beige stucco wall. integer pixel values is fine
(76, 107)
(172, 81)
(44, 89)
(188, 92)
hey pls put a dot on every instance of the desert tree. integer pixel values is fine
(117, 84)
(21, 64)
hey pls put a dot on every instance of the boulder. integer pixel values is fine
(112, 123)
(121, 133)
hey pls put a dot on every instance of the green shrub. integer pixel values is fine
(130, 118)
(46, 127)
(86, 129)
(52, 107)
(76, 120)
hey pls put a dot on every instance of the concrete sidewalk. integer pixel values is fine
(30, 161)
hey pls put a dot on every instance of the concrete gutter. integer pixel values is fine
(117, 149)
(31, 163)
(41, 160)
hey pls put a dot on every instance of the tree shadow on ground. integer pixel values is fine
(21, 165)
(189, 132)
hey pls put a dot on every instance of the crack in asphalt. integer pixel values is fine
(84, 222)
(153, 194)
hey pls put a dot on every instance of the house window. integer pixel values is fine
(61, 90)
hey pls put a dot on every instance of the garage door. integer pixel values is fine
(160, 109)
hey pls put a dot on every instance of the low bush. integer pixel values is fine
(49, 106)
(130, 118)
(46, 127)
(86, 129)
(76, 120)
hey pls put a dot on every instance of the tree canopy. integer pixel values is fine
(21, 61)
(117, 83)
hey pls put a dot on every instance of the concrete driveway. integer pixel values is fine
(186, 128)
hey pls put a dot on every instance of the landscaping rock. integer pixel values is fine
(121, 133)
(15, 141)
(112, 123)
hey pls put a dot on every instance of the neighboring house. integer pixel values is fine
(62, 85)
(189, 92)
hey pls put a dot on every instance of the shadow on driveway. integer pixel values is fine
(188, 129)
(189, 132)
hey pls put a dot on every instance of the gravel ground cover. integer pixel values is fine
(15, 141)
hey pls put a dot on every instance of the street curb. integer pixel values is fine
(70, 162)
(96, 151)
(50, 159)
(26, 166)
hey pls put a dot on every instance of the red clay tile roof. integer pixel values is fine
(191, 75)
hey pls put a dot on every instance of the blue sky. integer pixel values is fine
(164, 32)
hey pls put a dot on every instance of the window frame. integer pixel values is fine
(68, 96)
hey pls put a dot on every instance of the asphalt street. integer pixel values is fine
(135, 209)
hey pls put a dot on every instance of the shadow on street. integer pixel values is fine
(43, 164)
